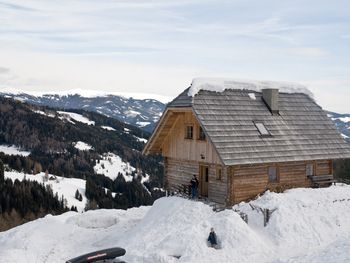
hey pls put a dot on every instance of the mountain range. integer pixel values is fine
(142, 113)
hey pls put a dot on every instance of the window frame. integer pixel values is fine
(201, 132)
(312, 165)
(218, 173)
(261, 129)
(187, 133)
(276, 180)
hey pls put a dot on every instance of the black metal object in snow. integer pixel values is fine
(265, 211)
(99, 256)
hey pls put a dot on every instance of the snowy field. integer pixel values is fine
(62, 186)
(111, 164)
(309, 225)
(74, 116)
(13, 150)
(82, 146)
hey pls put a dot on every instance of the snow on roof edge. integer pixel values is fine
(221, 84)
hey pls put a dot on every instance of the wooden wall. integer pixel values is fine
(247, 181)
(180, 172)
(176, 146)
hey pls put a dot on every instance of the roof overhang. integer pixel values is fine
(164, 126)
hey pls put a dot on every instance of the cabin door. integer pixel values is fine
(203, 180)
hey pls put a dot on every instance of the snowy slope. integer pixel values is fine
(13, 150)
(342, 122)
(111, 164)
(309, 225)
(74, 116)
(62, 186)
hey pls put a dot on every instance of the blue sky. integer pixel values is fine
(159, 46)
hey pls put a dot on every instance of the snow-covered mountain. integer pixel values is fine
(142, 113)
(308, 225)
(136, 110)
(342, 122)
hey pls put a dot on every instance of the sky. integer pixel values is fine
(159, 46)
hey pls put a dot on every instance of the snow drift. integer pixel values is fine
(221, 84)
(309, 225)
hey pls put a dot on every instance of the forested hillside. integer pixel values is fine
(52, 139)
(21, 202)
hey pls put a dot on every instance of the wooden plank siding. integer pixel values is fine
(248, 181)
(176, 146)
(180, 172)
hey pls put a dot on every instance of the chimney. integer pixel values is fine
(270, 97)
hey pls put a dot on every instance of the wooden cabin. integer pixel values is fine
(246, 139)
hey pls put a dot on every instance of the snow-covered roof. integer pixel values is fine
(221, 84)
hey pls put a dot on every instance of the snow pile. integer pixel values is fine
(252, 96)
(309, 225)
(75, 116)
(221, 84)
(82, 146)
(60, 185)
(305, 219)
(13, 150)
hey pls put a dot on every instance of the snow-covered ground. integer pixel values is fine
(141, 139)
(112, 164)
(143, 123)
(62, 186)
(82, 146)
(44, 113)
(74, 116)
(108, 128)
(309, 225)
(13, 150)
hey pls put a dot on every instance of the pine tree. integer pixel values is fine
(1, 172)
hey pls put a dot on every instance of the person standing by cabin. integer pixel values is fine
(212, 239)
(194, 186)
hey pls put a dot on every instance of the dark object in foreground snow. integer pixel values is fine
(104, 255)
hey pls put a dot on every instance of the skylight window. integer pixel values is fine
(262, 129)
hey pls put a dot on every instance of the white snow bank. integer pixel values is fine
(13, 150)
(62, 186)
(76, 117)
(221, 84)
(309, 225)
(82, 146)
(305, 219)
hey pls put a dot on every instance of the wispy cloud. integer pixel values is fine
(141, 44)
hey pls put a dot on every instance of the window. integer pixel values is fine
(201, 134)
(262, 129)
(309, 169)
(189, 132)
(218, 173)
(272, 174)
